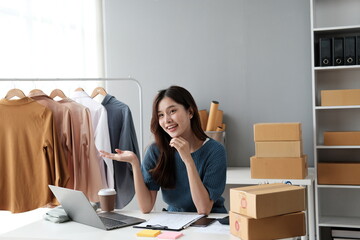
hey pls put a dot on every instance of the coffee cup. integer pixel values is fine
(107, 199)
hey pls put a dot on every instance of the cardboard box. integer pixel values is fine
(267, 200)
(341, 138)
(277, 132)
(338, 173)
(340, 97)
(284, 226)
(279, 149)
(279, 168)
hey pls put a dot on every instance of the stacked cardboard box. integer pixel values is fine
(338, 173)
(342, 138)
(269, 211)
(340, 97)
(346, 172)
(278, 151)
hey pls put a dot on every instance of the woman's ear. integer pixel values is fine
(191, 113)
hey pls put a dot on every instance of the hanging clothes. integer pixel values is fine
(122, 136)
(101, 129)
(63, 125)
(29, 155)
(89, 172)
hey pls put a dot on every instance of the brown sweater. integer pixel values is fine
(63, 124)
(29, 155)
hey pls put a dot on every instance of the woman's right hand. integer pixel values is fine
(121, 156)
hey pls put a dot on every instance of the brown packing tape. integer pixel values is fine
(203, 118)
(211, 124)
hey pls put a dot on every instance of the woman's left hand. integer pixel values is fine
(182, 146)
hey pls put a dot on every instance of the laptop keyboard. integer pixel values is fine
(115, 216)
(110, 223)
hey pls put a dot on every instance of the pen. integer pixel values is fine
(187, 225)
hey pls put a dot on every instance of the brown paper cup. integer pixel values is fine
(107, 199)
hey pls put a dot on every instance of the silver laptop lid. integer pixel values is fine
(77, 206)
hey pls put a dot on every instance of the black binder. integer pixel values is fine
(349, 50)
(325, 51)
(338, 50)
(358, 49)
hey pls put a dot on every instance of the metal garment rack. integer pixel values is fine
(84, 80)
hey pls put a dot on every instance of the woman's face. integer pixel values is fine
(174, 118)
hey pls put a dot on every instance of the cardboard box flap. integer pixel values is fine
(267, 188)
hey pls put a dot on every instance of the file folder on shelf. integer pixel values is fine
(358, 49)
(338, 43)
(325, 47)
(349, 50)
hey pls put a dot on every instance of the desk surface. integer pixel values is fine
(37, 229)
(45, 230)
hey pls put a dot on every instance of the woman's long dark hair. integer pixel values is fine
(164, 171)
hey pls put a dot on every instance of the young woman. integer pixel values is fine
(189, 167)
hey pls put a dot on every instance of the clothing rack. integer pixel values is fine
(37, 83)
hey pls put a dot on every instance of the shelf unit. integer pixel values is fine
(336, 205)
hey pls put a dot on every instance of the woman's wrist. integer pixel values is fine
(189, 163)
(135, 162)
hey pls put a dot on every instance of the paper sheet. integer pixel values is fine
(175, 221)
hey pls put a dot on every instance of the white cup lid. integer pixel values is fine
(106, 192)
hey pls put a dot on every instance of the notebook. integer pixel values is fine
(79, 209)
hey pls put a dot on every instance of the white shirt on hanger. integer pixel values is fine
(100, 127)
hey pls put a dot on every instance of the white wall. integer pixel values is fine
(253, 56)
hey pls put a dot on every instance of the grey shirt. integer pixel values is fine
(122, 136)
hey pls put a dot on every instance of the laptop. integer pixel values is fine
(79, 209)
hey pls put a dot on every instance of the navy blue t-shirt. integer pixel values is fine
(210, 161)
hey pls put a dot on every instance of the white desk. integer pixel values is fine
(44, 230)
(242, 176)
